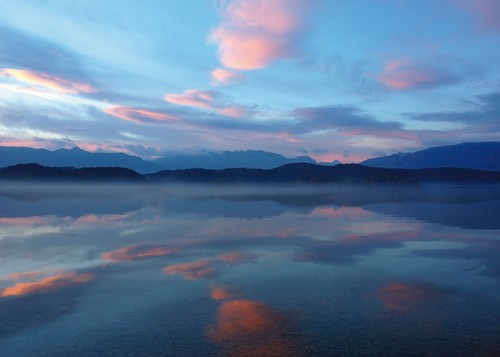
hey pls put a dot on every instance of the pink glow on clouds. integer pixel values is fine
(54, 83)
(485, 12)
(137, 251)
(401, 297)
(404, 73)
(33, 220)
(236, 257)
(236, 111)
(340, 212)
(226, 77)
(28, 143)
(138, 115)
(101, 220)
(24, 275)
(255, 33)
(287, 137)
(192, 271)
(193, 98)
(50, 283)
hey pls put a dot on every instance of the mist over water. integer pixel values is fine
(186, 270)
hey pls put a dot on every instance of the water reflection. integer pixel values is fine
(313, 270)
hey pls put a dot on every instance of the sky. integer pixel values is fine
(333, 79)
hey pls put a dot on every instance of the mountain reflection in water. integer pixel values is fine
(249, 270)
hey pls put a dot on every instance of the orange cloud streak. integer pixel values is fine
(138, 115)
(54, 83)
(192, 98)
(192, 271)
(135, 252)
(51, 283)
(24, 275)
(235, 257)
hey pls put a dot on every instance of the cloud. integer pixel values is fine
(192, 271)
(255, 33)
(137, 251)
(226, 77)
(51, 283)
(484, 113)
(340, 117)
(24, 275)
(406, 74)
(137, 115)
(236, 257)
(19, 49)
(193, 98)
(237, 111)
(47, 81)
(223, 293)
(403, 297)
(252, 328)
(486, 13)
(349, 247)
(206, 268)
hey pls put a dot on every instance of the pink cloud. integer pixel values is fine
(236, 257)
(255, 33)
(32, 220)
(237, 111)
(226, 77)
(402, 297)
(24, 275)
(221, 292)
(137, 251)
(403, 74)
(48, 81)
(51, 283)
(192, 271)
(193, 98)
(485, 12)
(340, 212)
(137, 115)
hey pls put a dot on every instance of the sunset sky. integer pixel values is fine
(333, 79)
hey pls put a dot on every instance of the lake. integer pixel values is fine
(192, 270)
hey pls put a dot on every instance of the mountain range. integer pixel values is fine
(79, 158)
(480, 156)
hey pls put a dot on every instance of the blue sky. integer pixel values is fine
(337, 79)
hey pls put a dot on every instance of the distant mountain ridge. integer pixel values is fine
(479, 156)
(79, 158)
(75, 157)
(254, 159)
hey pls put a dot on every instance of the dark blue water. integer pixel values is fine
(249, 271)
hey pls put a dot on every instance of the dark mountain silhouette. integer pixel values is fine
(480, 156)
(229, 159)
(310, 173)
(290, 173)
(75, 157)
(36, 172)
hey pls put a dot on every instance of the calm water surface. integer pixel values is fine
(249, 271)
